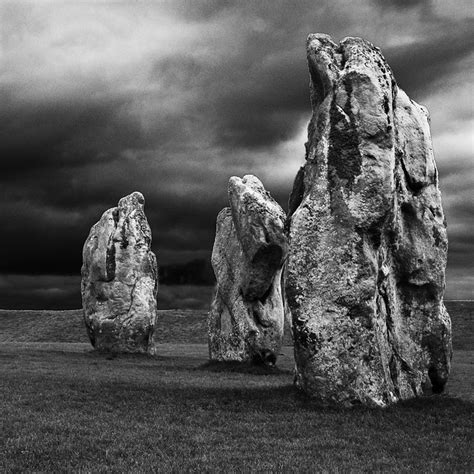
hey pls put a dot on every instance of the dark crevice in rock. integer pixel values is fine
(319, 86)
(115, 216)
(264, 357)
(264, 297)
(386, 106)
(414, 186)
(110, 260)
(132, 296)
(343, 156)
(409, 211)
(304, 337)
(100, 296)
(123, 234)
(343, 58)
(374, 233)
(268, 239)
(361, 312)
(297, 193)
(393, 366)
(268, 259)
(422, 293)
(437, 383)
(91, 336)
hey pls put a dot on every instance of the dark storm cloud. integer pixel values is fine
(401, 4)
(267, 109)
(422, 66)
(74, 132)
(42, 135)
(102, 100)
(248, 101)
(38, 240)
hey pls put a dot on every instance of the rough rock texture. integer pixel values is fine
(247, 316)
(367, 243)
(120, 279)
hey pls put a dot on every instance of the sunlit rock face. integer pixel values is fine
(120, 279)
(247, 315)
(367, 237)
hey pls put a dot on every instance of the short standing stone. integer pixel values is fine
(247, 315)
(120, 279)
(367, 245)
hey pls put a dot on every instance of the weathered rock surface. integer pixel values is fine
(247, 316)
(367, 240)
(120, 279)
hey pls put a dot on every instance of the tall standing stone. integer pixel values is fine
(367, 240)
(120, 279)
(247, 315)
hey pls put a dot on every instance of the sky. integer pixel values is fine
(99, 99)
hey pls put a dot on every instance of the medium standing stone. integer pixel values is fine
(247, 315)
(120, 279)
(367, 241)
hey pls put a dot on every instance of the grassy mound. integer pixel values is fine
(176, 325)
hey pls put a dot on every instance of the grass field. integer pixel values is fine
(67, 408)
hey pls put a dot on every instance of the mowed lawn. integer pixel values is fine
(66, 408)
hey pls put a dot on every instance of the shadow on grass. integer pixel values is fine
(243, 368)
(200, 389)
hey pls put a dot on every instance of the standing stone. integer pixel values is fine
(120, 279)
(367, 240)
(247, 316)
